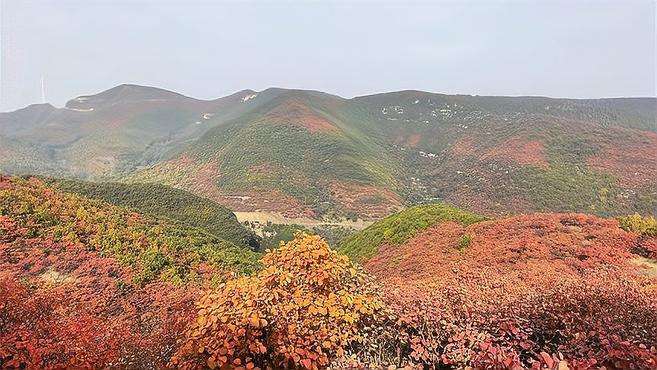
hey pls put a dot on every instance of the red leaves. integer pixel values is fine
(60, 326)
(531, 291)
(39, 330)
(547, 359)
(307, 363)
(64, 304)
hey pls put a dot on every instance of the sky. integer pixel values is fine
(208, 49)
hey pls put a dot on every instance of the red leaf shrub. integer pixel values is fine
(38, 332)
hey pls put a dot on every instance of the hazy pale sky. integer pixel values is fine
(210, 49)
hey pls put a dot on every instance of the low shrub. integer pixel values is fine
(464, 241)
(643, 225)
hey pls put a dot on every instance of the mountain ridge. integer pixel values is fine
(309, 153)
(274, 88)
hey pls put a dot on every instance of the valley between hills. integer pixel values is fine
(140, 228)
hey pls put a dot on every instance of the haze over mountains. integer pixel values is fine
(307, 153)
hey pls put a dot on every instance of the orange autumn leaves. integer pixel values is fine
(307, 305)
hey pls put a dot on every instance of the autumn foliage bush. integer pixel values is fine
(580, 325)
(642, 225)
(646, 228)
(40, 329)
(308, 305)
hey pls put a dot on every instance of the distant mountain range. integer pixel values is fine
(308, 153)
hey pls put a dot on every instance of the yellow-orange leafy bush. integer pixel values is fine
(308, 305)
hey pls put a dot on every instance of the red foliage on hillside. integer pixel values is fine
(296, 112)
(369, 201)
(544, 290)
(463, 146)
(528, 290)
(631, 161)
(518, 247)
(63, 304)
(518, 150)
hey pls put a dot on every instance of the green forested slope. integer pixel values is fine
(164, 201)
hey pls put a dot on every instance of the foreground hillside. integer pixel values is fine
(520, 290)
(87, 284)
(84, 283)
(310, 154)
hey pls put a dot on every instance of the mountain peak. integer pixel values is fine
(124, 93)
(288, 93)
(33, 108)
